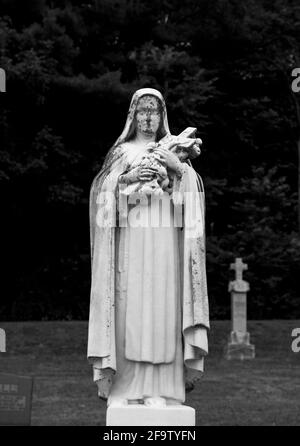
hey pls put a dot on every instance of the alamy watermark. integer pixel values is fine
(2, 341)
(296, 82)
(295, 346)
(2, 81)
(157, 210)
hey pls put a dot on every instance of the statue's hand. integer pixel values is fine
(104, 385)
(170, 160)
(139, 173)
(147, 173)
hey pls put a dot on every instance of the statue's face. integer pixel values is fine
(148, 115)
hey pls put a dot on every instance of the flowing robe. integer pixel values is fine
(149, 310)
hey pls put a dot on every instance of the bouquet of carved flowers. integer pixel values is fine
(152, 161)
(162, 181)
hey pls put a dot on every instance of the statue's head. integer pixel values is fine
(148, 115)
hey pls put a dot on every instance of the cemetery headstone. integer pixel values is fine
(15, 394)
(239, 346)
(15, 400)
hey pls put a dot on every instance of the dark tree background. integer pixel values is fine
(223, 66)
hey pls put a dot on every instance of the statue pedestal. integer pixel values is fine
(139, 415)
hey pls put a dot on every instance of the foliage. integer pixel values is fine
(223, 66)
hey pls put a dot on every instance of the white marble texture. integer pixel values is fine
(139, 415)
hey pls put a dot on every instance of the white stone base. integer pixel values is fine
(139, 415)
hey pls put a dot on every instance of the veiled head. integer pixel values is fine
(148, 115)
(148, 107)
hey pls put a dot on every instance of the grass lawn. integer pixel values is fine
(264, 391)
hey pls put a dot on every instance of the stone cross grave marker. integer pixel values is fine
(239, 346)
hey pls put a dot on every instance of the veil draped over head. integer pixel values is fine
(128, 130)
(114, 157)
(195, 321)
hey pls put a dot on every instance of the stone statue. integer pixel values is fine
(182, 146)
(149, 309)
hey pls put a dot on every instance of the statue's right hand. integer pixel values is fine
(146, 173)
(139, 173)
(104, 386)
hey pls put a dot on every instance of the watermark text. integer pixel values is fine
(2, 81)
(296, 342)
(296, 82)
(2, 341)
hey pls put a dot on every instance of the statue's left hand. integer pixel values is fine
(168, 158)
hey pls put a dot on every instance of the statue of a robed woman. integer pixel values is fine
(149, 308)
